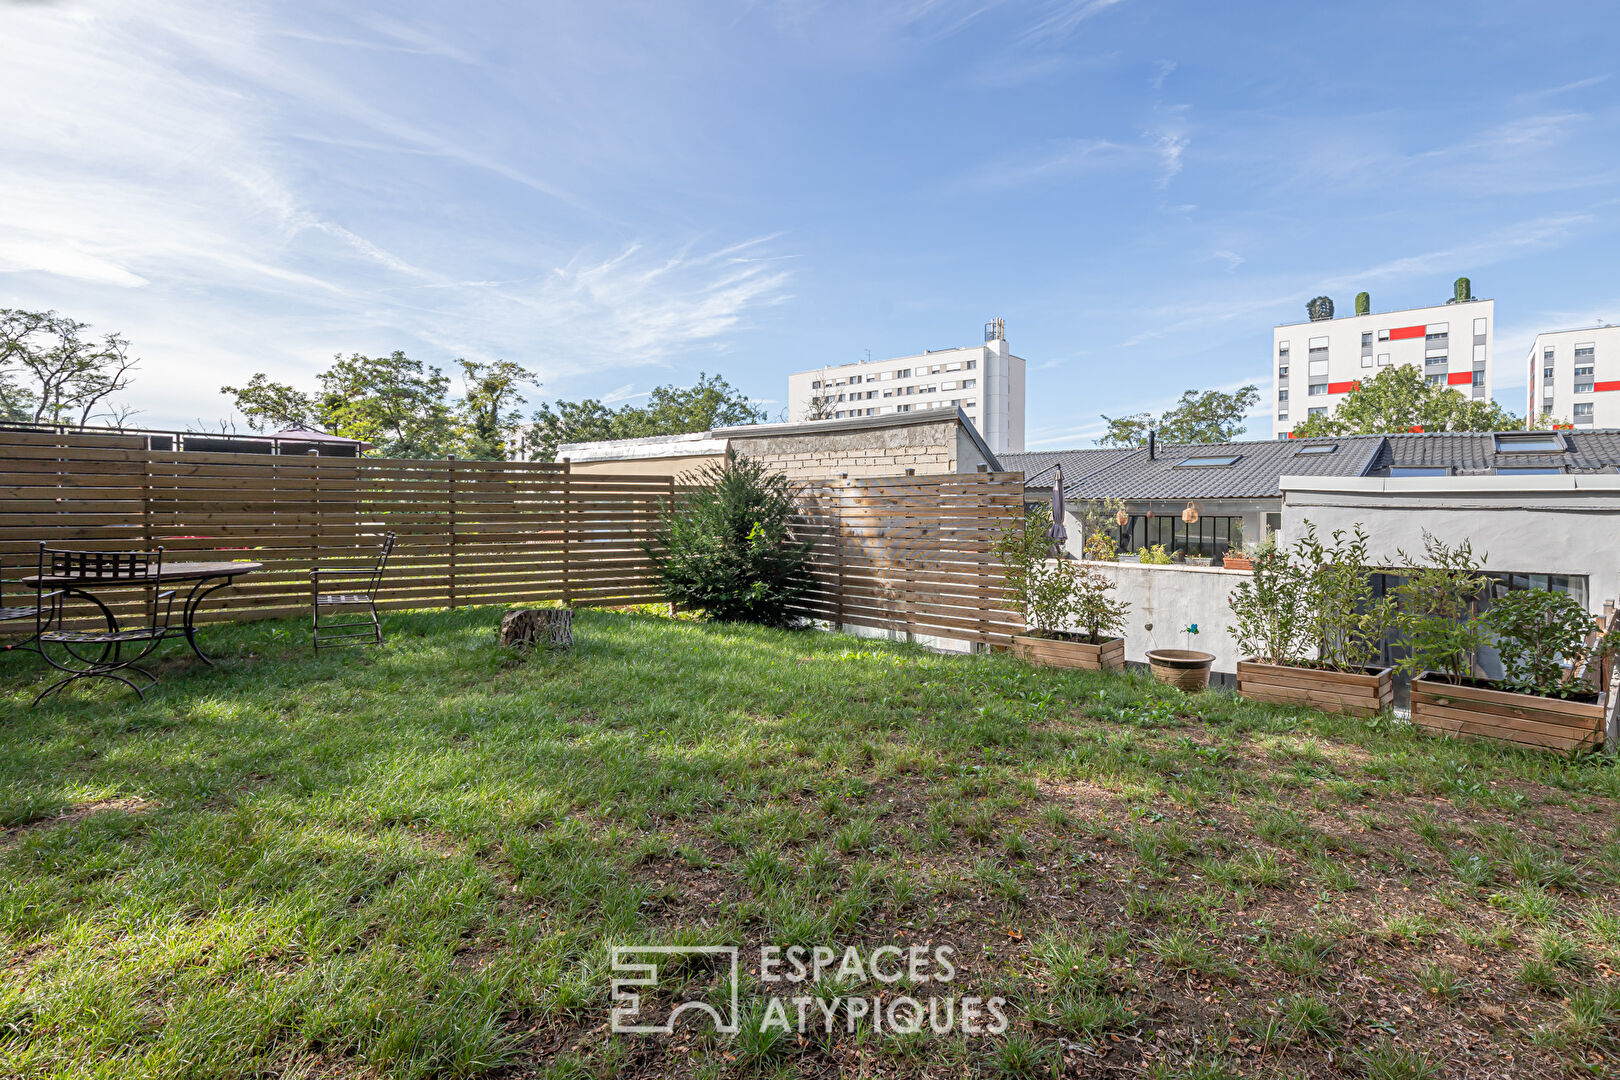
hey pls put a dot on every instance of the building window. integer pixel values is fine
(1547, 407)
(1383, 335)
(971, 364)
(968, 384)
(1366, 359)
(1282, 395)
(1583, 412)
(1546, 374)
(1318, 389)
(1322, 411)
(1583, 353)
(1436, 380)
(815, 384)
(1434, 361)
(1208, 536)
(1282, 415)
(1479, 378)
(1419, 470)
(1583, 369)
(1383, 359)
(1318, 367)
(1282, 371)
(1583, 386)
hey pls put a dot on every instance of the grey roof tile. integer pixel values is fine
(1038, 465)
(1255, 475)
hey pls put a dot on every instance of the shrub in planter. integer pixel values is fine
(1313, 597)
(1054, 592)
(727, 547)
(1156, 555)
(1444, 624)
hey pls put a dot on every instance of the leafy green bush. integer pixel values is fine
(1438, 609)
(1315, 595)
(1535, 632)
(728, 548)
(1156, 555)
(1053, 591)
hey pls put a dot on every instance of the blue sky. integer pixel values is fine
(620, 195)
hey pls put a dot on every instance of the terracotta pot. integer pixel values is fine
(1479, 710)
(1354, 693)
(1238, 562)
(1060, 653)
(1187, 669)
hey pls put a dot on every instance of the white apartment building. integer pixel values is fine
(985, 381)
(1315, 364)
(1575, 376)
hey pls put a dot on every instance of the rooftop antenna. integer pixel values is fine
(868, 356)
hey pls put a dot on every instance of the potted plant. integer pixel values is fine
(1313, 597)
(1187, 669)
(1200, 560)
(1055, 592)
(1155, 555)
(1541, 637)
(1238, 559)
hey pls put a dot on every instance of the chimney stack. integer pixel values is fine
(1152, 445)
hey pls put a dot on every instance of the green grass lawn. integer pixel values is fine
(412, 861)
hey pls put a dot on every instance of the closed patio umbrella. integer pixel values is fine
(1057, 532)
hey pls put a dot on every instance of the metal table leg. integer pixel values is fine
(188, 613)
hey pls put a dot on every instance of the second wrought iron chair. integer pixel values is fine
(19, 612)
(343, 606)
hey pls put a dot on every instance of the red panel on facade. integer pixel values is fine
(1406, 332)
(1460, 378)
(1342, 387)
(1606, 386)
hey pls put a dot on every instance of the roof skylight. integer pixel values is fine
(1316, 448)
(1207, 462)
(1530, 442)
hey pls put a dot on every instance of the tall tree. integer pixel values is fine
(1207, 416)
(51, 373)
(670, 410)
(489, 401)
(1399, 399)
(399, 405)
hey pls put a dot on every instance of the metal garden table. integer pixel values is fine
(205, 578)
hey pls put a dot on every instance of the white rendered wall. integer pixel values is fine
(1604, 397)
(1164, 599)
(1529, 525)
(1345, 359)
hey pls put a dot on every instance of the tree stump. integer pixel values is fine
(526, 628)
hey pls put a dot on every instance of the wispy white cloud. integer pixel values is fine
(1162, 71)
(1061, 19)
(167, 179)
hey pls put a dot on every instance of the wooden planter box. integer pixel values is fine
(1353, 693)
(1059, 653)
(1545, 723)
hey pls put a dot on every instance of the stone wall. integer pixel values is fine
(889, 451)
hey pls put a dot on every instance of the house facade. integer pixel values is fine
(985, 382)
(1315, 364)
(1574, 376)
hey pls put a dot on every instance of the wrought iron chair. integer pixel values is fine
(19, 612)
(343, 605)
(61, 575)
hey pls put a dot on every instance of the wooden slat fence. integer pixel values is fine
(903, 554)
(470, 532)
(913, 554)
